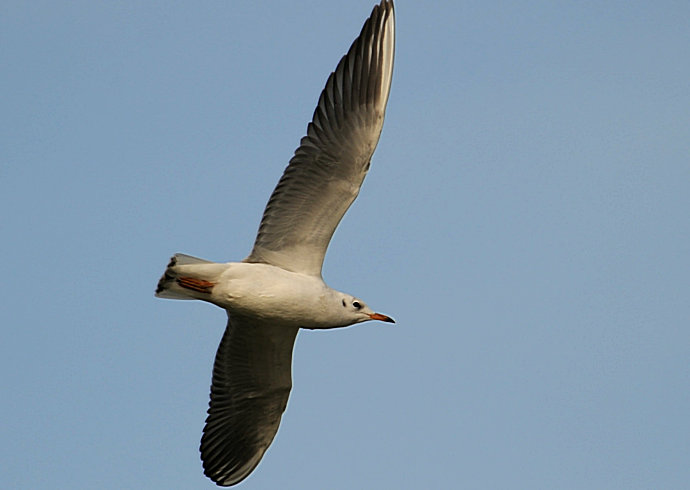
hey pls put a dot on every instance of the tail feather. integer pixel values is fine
(188, 277)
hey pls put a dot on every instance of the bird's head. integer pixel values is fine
(357, 311)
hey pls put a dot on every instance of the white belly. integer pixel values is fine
(272, 294)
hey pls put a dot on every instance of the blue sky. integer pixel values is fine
(525, 220)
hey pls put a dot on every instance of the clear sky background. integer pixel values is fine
(526, 221)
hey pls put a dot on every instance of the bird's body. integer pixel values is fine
(262, 291)
(278, 288)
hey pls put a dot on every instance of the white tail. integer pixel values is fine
(188, 277)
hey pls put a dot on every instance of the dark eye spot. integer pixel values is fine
(356, 304)
(344, 303)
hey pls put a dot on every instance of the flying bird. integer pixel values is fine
(278, 288)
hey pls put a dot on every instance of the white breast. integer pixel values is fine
(273, 294)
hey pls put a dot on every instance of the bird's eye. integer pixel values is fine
(357, 304)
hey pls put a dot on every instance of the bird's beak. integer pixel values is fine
(383, 318)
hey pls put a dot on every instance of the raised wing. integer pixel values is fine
(249, 392)
(327, 170)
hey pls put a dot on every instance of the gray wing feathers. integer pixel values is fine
(327, 170)
(250, 388)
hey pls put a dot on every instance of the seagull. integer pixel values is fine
(278, 288)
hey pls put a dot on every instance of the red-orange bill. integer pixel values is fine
(383, 318)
